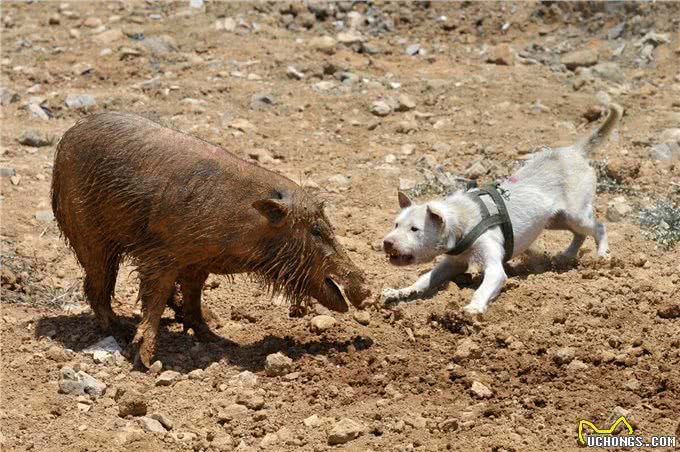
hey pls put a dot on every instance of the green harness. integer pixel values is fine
(488, 221)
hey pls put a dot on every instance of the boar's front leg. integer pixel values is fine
(154, 291)
(199, 319)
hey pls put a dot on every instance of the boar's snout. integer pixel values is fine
(346, 283)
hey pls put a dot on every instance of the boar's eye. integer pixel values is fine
(396, 225)
(316, 230)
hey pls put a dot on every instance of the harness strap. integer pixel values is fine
(501, 219)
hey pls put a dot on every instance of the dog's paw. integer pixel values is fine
(474, 309)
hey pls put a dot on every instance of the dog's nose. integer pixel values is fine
(388, 245)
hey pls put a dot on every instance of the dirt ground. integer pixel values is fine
(470, 89)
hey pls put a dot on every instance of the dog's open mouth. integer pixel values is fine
(397, 258)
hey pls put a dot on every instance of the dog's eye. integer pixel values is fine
(396, 225)
(414, 229)
(316, 230)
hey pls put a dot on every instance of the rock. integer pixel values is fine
(665, 151)
(579, 58)
(7, 172)
(475, 171)
(321, 323)
(621, 169)
(480, 391)
(408, 149)
(163, 419)
(312, 421)
(563, 356)
(609, 71)
(413, 49)
(406, 184)
(345, 431)
(594, 112)
(7, 96)
(37, 112)
(242, 125)
(324, 85)
(406, 103)
(44, 216)
(80, 101)
(501, 54)
(467, 349)
(362, 317)
(103, 350)
(270, 439)
(56, 354)
(34, 138)
(131, 403)
(441, 147)
(618, 209)
(160, 45)
(293, 73)
(156, 368)
(416, 421)
(245, 379)
(350, 37)
(670, 135)
(339, 181)
(151, 425)
(250, 399)
(231, 412)
(261, 101)
(670, 311)
(277, 364)
(79, 383)
(380, 108)
(324, 44)
(92, 22)
(448, 425)
(167, 378)
(109, 36)
(223, 442)
(197, 374)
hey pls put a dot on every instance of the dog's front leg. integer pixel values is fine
(429, 283)
(494, 279)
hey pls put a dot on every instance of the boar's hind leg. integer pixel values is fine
(197, 318)
(154, 291)
(101, 269)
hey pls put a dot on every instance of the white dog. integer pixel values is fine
(553, 190)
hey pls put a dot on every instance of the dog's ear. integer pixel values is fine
(435, 214)
(404, 201)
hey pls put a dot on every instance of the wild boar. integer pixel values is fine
(181, 208)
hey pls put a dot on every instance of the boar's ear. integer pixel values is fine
(275, 210)
(404, 201)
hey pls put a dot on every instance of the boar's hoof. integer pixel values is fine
(202, 332)
(297, 310)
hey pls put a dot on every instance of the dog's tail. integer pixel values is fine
(589, 144)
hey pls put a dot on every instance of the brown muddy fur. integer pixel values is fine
(181, 208)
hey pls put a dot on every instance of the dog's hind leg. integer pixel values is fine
(588, 225)
(429, 283)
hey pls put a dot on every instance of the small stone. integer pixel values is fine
(131, 403)
(167, 378)
(480, 391)
(7, 96)
(579, 58)
(413, 49)
(197, 374)
(92, 22)
(380, 108)
(294, 73)
(245, 379)
(362, 317)
(350, 37)
(324, 85)
(163, 419)
(441, 147)
(261, 101)
(501, 54)
(251, 400)
(345, 431)
(44, 216)
(321, 323)
(151, 425)
(103, 350)
(449, 425)
(408, 149)
(475, 171)
(81, 68)
(670, 311)
(665, 151)
(339, 181)
(467, 349)
(37, 112)
(563, 356)
(270, 439)
(7, 172)
(277, 364)
(577, 366)
(79, 383)
(156, 368)
(416, 421)
(80, 101)
(109, 36)
(312, 421)
(160, 45)
(406, 103)
(406, 184)
(56, 354)
(242, 125)
(231, 412)
(324, 44)
(34, 138)
(618, 209)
